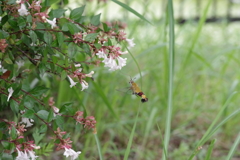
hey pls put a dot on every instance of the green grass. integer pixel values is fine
(192, 114)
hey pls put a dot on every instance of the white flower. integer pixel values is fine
(26, 156)
(71, 153)
(10, 92)
(31, 155)
(130, 43)
(20, 64)
(84, 85)
(77, 65)
(22, 156)
(124, 52)
(0, 64)
(121, 62)
(23, 10)
(72, 82)
(101, 54)
(113, 66)
(37, 4)
(52, 23)
(0, 18)
(18, 1)
(27, 121)
(32, 44)
(56, 111)
(89, 74)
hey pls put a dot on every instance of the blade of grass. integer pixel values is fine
(198, 31)
(131, 10)
(149, 125)
(127, 152)
(105, 100)
(170, 77)
(161, 137)
(233, 148)
(98, 146)
(211, 130)
(210, 149)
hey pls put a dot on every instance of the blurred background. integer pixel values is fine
(206, 72)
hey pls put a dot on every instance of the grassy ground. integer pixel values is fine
(206, 74)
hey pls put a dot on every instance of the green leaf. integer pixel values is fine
(54, 59)
(11, 2)
(21, 22)
(63, 75)
(131, 10)
(60, 38)
(4, 20)
(3, 34)
(97, 45)
(95, 20)
(105, 27)
(50, 115)
(91, 37)
(48, 38)
(29, 113)
(60, 122)
(5, 144)
(43, 114)
(72, 50)
(86, 49)
(13, 133)
(108, 43)
(25, 39)
(29, 19)
(72, 28)
(6, 156)
(37, 136)
(8, 61)
(77, 13)
(39, 90)
(14, 106)
(43, 128)
(33, 36)
(57, 13)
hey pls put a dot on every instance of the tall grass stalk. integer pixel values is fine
(210, 149)
(233, 148)
(127, 152)
(170, 76)
(197, 34)
(98, 146)
(211, 130)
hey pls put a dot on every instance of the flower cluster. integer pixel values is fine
(51, 103)
(24, 149)
(34, 7)
(80, 75)
(3, 45)
(111, 55)
(88, 122)
(35, 39)
(65, 143)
